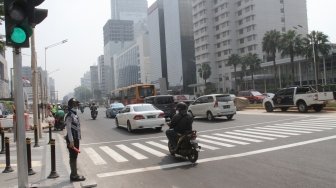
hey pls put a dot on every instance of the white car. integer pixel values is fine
(140, 116)
(215, 105)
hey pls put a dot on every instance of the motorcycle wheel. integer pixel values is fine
(193, 156)
(170, 149)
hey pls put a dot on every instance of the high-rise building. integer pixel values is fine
(86, 80)
(95, 82)
(225, 27)
(134, 10)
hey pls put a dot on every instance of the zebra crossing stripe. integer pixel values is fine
(207, 146)
(158, 145)
(113, 154)
(131, 152)
(94, 156)
(149, 150)
(165, 141)
(261, 133)
(216, 143)
(237, 137)
(284, 130)
(306, 126)
(249, 135)
(318, 121)
(225, 140)
(295, 128)
(273, 131)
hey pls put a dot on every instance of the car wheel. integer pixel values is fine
(318, 108)
(158, 129)
(117, 123)
(284, 109)
(129, 127)
(302, 107)
(229, 117)
(210, 117)
(268, 107)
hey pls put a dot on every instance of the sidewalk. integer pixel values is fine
(41, 162)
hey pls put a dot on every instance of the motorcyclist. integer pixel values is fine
(93, 107)
(181, 123)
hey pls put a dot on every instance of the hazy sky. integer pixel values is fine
(82, 21)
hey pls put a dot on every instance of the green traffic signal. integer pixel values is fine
(18, 35)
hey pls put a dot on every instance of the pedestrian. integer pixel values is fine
(72, 138)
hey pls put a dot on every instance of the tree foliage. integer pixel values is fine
(83, 94)
(234, 60)
(204, 72)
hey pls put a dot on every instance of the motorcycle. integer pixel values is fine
(187, 146)
(94, 114)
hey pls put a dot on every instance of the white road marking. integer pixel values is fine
(158, 145)
(207, 146)
(33, 163)
(165, 141)
(94, 156)
(113, 154)
(219, 158)
(308, 125)
(149, 150)
(225, 140)
(131, 152)
(276, 132)
(237, 137)
(318, 121)
(249, 135)
(284, 130)
(216, 143)
(259, 133)
(296, 128)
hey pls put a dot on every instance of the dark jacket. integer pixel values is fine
(182, 122)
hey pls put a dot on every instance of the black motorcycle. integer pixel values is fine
(187, 146)
(94, 114)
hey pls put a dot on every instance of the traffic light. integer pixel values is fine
(20, 17)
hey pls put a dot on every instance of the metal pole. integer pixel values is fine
(30, 170)
(300, 75)
(324, 72)
(2, 141)
(22, 171)
(8, 167)
(53, 173)
(35, 90)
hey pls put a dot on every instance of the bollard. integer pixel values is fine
(8, 166)
(2, 141)
(30, 170)
(53, 173)
(50, 136)
(36, 137)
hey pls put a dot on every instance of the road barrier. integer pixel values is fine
(30, 170)
(8, 166)
(2, 141)
(53, 173)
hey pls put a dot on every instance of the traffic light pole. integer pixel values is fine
(22, 166)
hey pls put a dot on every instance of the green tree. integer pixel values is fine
(234, 60)
(270, 45)
(204, 72)
(316, 42)
(291, 45)
(2, 18)
(83, 94)
(253, 62)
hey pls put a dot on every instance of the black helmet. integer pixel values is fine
(181, 106)
(72, 102)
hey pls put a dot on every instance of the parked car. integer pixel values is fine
(113, 110)
(268, 95)
(164, 103)
(140, 116)
(252, 96)
(211, 106)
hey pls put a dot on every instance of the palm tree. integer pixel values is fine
(316, 43)
(204, 72)
(270, 45)
(253, 62)
(291, 45)
(234, 60)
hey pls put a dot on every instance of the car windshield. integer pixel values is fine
(223, 98)
(144, 108)
(117, 105)
(256, 93)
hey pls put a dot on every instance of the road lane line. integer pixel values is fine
(113, 154)
(149, 150)
(94, 156)
(260, 133)
(158, 145)
(249, 135)
(237, 137)
(211, 159)
(225, 140)
(216, 143)
(284, 130)
(296, 128)
(131, 152)
(275, 132)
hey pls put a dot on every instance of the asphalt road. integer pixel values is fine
(255, 149)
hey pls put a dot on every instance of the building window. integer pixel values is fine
(282, 10)
(282, 20)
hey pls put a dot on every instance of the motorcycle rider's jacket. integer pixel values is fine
(93, 107)
(182, 122)
(72, 126)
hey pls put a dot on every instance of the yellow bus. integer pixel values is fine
(133, 94)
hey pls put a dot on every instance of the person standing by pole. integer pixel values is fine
(72, 138)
